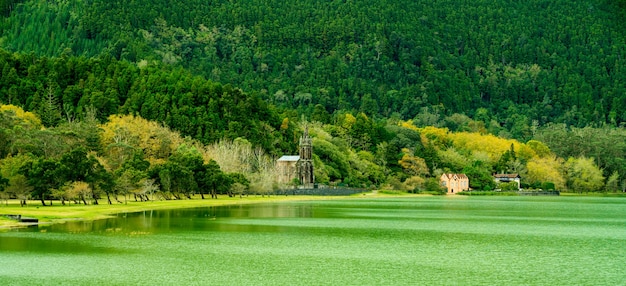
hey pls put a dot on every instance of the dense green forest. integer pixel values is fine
(521, 63)
(175, 98)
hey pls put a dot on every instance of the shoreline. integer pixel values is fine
(58, 213)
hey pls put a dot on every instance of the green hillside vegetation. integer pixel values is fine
(83, 161)
(518, 64)
(162, 99)
(60, 89)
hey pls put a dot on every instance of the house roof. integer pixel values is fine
(459, 176)
(289, 158)
(510, 176)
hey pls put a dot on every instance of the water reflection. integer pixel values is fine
(193, 219)
(431, 241)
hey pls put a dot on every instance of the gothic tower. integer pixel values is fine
(305, 164)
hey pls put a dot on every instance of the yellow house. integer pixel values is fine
(455, 183)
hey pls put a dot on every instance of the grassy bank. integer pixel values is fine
(59, 213)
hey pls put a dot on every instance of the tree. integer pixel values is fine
(320, 114)
(41, 174)
(583, 175)
(175, 179)
(49, 109)
(480, 177)
(240, 184)
(432, 185)
(4, 182)
(612, 183)
(130, 180)
(413, 165)
(546, 169)
(209, 178)
(78, 166)
(505, 160)
(19, 188)
(76, 191)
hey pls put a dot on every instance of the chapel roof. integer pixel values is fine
(289, 158)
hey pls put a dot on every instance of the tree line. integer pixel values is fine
(83, 161)
(86, 160)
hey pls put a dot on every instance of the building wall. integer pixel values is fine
(455, 183)
(287, 171)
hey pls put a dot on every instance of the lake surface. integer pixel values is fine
(407, 241)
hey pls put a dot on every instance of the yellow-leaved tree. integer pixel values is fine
(123, 134)
(490, 144)
(24, 118)
(546, 169)
(583, 175)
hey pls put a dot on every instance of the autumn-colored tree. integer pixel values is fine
(541, 149)
(412, 165)
(124, 131)
(546, 169)
(583, 175)
(24, 118)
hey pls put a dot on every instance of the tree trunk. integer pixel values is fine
(83, 198)
(43, 200)
(109, 199)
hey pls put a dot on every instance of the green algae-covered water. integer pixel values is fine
(407, 241)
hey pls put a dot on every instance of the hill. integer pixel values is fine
(517, 63)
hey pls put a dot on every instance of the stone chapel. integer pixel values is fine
(300, 166)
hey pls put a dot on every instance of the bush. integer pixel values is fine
(548, 186)
(432, 185)
(391, 192)
(510, 186)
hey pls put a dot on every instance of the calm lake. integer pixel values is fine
(448, 240)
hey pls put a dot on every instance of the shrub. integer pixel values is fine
(548, 186)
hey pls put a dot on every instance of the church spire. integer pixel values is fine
(305, 164)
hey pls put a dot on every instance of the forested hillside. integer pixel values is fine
(60, 90)
(519, 63)
(176, 98)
